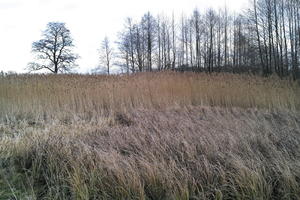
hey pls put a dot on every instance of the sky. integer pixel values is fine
(22, 22)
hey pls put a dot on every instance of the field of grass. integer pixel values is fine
(149, 136)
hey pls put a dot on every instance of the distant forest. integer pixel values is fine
(263, 39)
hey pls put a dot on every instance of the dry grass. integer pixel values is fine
(44, 96)
(149, 136)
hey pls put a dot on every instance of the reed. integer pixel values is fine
(149, 136)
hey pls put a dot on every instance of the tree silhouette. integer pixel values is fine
(54, 50)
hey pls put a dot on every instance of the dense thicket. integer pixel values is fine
(265, 39)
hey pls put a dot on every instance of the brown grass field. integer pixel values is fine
(149, 136)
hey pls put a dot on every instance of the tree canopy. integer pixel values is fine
(54, 51)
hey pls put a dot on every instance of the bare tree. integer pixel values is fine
(124, 52)
(149, 27)
(196, 20)
(106, 54)
(211, 22)
(54, 51)
(264, 39)
(173, 42)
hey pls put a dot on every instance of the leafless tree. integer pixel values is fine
(264, 39)
(106, 54)
(149, 27)
(54, 51)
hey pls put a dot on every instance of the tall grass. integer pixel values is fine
(47, 95)
(149, 136)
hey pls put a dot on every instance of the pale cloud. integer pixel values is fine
(10, 4)
(21, 23)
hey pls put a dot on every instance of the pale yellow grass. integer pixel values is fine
(44, 96)
(149, 136)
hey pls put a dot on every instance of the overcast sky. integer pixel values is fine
(22, 21)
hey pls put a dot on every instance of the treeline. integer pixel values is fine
(264, 39)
